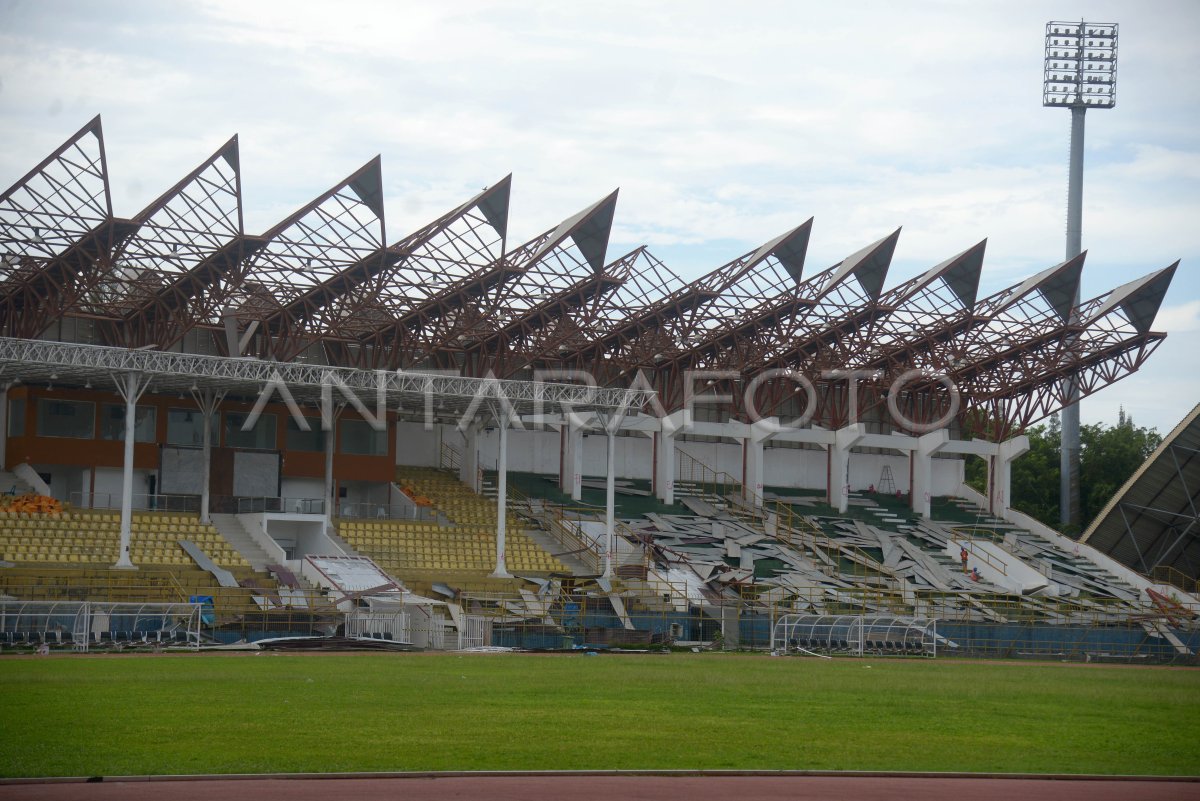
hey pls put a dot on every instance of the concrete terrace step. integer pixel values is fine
(10, 482)
(235, 533)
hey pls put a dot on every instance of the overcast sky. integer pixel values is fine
(722, 124)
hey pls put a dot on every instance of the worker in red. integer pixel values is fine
(962, 554)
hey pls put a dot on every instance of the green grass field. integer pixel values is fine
(175, 714)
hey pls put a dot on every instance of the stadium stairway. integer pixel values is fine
(1069, 568)
(231, 528)
(13, 484)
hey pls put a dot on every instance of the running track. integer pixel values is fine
(577, 787)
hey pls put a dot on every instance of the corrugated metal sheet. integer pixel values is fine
(1152, 520)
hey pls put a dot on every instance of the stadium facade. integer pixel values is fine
(325, 356)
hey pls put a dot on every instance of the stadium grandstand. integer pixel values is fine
(451, 440)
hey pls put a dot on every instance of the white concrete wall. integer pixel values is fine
(108, 480)
(66, 480)
(634, 457)
(302, 487)
(416, 446)
(790, 467)
(301, 535)
(724, 457)
(531, 451)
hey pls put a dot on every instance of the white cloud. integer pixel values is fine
(1180, 318)
(722, 128)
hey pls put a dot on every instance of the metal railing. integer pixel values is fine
(970, 535)
(556, 519)
(1165, 574)
(141, 502)
(283, 505)
(450, 457)
(710, 481)
(970, 623)
(386, 511)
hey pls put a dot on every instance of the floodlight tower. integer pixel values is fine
(1081, 73)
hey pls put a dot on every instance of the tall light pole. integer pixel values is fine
(1081, 73)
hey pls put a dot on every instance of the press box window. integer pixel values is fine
(16, 417)
(186, 427)
(360, 438)
(260, 437)
(63, 418)
(112, 423)
(311, 440)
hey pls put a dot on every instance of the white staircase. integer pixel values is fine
(550, 545)
(332, 533)
(231, 529)
(10, 483)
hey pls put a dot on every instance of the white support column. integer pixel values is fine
(207, 400)
(610, 501)
(501, 570)
(130, 386)
(329, 422)
(206, 466)
(1000, 473)
(4, 425)
(921, 478)
(468, 468)
(838, 490)
(573, 468)
(330, 488)
(753, 455)
(665, 458)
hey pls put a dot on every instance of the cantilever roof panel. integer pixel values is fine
(713, 302)
(1152, 521)
(1139, 299)
(59, 201)
(177, 235)
(780, 330)
(472, 308)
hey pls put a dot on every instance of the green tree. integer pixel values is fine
(1034, 475)
(1108, 456)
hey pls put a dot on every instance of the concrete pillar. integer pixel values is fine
(330, 487)
(468, 468)
(206, 464)
(4, 426)
(501, 570)
(838, 486)
(753, 454)
(610, 502)
(207, 401)
(921, 470)
(572, 473)
(330, 423)
(752, 471)
(664, 466)
(1000, 473)
(130, 386)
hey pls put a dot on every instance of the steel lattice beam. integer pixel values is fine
(57, 234)
(38, 360)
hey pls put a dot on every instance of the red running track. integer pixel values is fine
(594, 788)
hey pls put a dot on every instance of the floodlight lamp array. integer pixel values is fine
(1081, 65)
